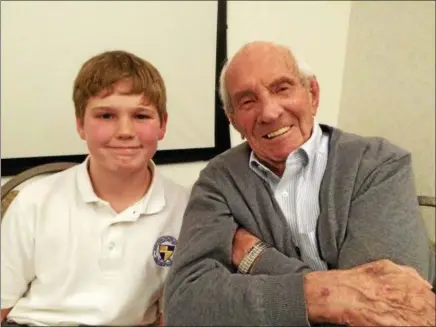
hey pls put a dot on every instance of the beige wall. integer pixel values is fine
(316, 30)
(285, 22)
(385, 51)
(389, 81)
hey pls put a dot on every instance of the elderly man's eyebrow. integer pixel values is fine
(240, 94)
(282, 80)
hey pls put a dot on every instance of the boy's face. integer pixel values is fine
(121, 130)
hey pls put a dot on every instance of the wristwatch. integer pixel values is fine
(251, 256)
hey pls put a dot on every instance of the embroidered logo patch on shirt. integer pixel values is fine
(163, 251)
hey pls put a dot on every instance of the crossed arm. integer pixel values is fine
(322, 290)
(203, 288)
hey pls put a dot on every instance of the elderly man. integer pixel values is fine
(303, 223)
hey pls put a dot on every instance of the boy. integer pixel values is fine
(92, 245)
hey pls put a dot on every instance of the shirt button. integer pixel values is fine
(111, 245)
(285, 194)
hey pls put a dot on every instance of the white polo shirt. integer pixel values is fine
(67, 258)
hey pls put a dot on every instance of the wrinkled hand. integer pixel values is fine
(243, 241)
(382, 293)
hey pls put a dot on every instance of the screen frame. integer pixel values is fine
(14, 166)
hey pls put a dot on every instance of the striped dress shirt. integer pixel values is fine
(297, 192)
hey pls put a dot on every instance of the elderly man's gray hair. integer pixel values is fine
(305, 70)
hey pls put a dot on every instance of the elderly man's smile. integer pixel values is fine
(279, 132)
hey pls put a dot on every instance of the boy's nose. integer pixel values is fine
(125, 128)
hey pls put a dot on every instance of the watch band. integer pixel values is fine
(251, 256)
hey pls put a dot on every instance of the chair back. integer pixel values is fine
(8, 192)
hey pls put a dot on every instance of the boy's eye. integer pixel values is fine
(142, 116)
(106, 116)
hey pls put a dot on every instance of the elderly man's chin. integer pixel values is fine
(280, 149)
(277, 156)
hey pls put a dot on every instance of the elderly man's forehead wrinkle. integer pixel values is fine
(272, 56)
(257, 64)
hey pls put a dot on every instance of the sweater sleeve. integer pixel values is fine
(384, 219)
(273, 262)
(203, 288)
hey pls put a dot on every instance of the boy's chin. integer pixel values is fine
(128, 167)
(132, 167)
(121, 164)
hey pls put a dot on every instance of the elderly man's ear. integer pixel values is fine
(314, 94)
(230, 118)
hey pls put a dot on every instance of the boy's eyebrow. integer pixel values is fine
(139, 107)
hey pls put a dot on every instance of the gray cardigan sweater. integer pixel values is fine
(368, 211)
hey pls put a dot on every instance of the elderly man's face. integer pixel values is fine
(273, 110)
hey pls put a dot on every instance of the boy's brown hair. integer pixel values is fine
(102, 71)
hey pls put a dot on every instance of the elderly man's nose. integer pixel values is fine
(270, 111)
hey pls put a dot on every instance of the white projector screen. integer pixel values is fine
(44, 44)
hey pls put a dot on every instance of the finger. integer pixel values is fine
(424, 314)
(420, 317)
(411, 271)
(432, 306)
(427, 319)
(384, 319)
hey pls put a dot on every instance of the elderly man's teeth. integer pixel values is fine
(278, 132)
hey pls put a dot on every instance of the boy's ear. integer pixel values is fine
(163, 126)
(80, 128)
(164, 119)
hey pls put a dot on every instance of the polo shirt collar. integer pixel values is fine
(152, 202)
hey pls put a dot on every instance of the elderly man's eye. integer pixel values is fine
(283, 88)
(248, 101)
